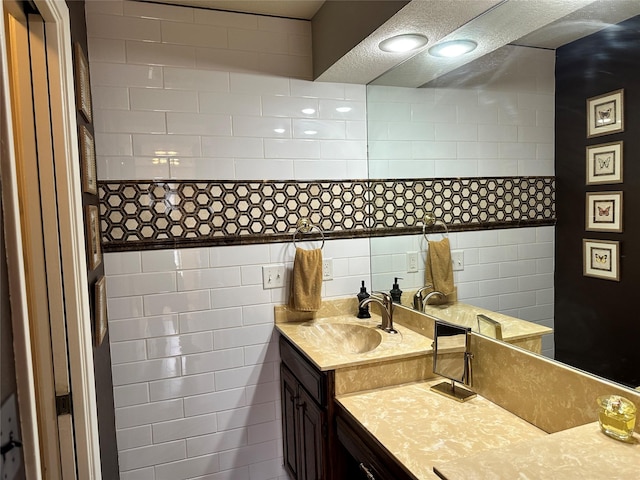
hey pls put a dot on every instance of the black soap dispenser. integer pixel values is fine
(396, 293)
(363, 312)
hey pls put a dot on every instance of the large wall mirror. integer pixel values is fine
(492, 117)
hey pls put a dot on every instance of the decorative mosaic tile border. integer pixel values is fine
(140, 215)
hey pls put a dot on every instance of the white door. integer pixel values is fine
(41, 243)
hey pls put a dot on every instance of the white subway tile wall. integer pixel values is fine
(183, 93)
(176, 100)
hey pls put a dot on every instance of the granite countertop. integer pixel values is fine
(466, 315)
(575, 453)
(421, 428)
(329, 351)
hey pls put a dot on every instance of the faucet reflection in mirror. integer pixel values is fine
(420, 300)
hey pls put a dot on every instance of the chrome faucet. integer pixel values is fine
(386, 310)
(418, 299)
(419, 302)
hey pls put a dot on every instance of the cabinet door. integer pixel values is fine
(312, 438)
(289, 387)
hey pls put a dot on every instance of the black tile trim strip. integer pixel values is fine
(144, 215)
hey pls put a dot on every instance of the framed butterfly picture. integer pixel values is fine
(604, 163)
(605, 114)
(601, 259)
(604, 211)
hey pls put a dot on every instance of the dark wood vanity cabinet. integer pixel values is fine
(307, 400)
(304, 427)
(321, 440)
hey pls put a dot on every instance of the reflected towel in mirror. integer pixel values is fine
(439, 268)
(306, 280)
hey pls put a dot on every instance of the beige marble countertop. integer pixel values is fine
(330, 352)
(576, 453)
(466, 315)
(421, 428)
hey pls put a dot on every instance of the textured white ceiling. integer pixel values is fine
(433, 18)
(535, 23)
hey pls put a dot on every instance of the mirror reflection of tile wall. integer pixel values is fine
(499, 123)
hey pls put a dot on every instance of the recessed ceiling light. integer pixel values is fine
(453, 48)
(403, 43)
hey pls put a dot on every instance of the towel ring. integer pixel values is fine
(305, 226)
(429, 221)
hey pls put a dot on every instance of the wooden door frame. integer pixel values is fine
(73, 256)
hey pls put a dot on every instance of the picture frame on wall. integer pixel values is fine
(605, 114)
(83, 85)
(100, 310)
(604, 211)
(604, 163)
(601, 259)
(93, 236)
(88, 156)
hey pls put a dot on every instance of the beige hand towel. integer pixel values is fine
(439, 269)
(306, 281)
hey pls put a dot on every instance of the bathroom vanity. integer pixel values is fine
(370, 413)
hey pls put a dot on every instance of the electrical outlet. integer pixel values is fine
(412, 262)
(272, 276)
(327, 269)
(10, 430)
(457, 258)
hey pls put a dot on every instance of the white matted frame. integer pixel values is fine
(88, 156)
(83, 86)
(605, 114)
(604, 163)
(604, 211)
(93, 236)
(601, 259)
(100, 310)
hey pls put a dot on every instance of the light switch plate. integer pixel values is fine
(412, 262)
(272, 276)
(457, 258)
(10, 429)
(327, 269)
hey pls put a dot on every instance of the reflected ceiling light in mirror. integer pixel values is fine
(453, 48)
(308, 111)
(279, 130)
(343, 109)
(310, 132)
(403, 43)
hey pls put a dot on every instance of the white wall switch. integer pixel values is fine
(272, 276)
(327, 269)
(457, 258)
(412, 262)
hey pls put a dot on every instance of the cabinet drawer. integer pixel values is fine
(313, 380)
(369, 460)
